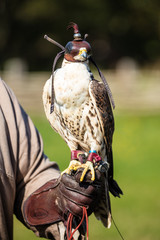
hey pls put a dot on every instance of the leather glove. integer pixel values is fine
(59, 197)
(78, 194)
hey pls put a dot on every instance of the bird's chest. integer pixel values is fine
(74, 105)
(71, 85)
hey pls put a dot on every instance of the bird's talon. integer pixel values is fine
(88, 166)
(74, 164)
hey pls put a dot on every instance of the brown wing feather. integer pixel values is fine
(104, 110)
(103, 107)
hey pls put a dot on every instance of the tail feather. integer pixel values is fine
(103, 212)
(103, 209)
(114, 188)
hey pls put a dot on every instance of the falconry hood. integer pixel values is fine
(77, 50)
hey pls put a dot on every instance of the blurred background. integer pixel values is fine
(125, 40)
(116, 29)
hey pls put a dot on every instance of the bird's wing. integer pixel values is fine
(103, 108)
(53, 118)
(56, 118)
(102, 104)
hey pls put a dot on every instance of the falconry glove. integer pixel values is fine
(55, 200)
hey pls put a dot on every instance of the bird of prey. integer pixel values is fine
(78, 107)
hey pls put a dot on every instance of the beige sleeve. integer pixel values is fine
(23, 165)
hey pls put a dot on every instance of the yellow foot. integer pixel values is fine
(87, 166)
(72, 166)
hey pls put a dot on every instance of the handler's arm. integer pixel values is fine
(23, 166)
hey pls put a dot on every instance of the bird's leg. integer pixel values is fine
(93, 157)
(76, 161)
(78, 155)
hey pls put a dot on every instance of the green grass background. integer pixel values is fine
(136, 148)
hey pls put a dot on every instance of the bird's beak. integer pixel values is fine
(84, 54)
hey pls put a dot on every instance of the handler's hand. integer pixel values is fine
(57, 198)
(53, 202)
(76, 194)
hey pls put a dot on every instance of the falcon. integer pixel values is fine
(78, 107)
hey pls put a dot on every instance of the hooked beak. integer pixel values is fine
(82, 55)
